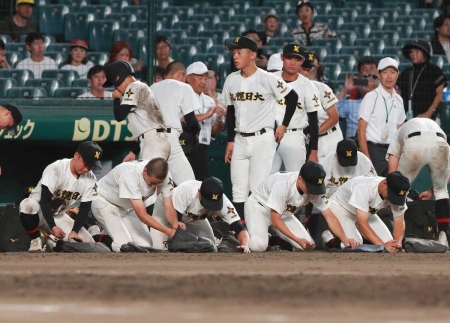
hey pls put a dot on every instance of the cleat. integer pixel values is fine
(326, 237)
(36, 245)
(442, 239)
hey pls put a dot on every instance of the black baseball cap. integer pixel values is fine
(91, 153)
(211, 194)
(117, 72)
(398, 186)
(293, 50)
(309, 59)
(347, 153)
(422, 45)
(313, 175)
(16, 115)
(243, 42)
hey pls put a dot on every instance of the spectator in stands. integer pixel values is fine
(158, 74)
(163, 51)
(37, 62)
(121, 51)
(317, 73)
(308, 30)
(367, 68)
(96, 78)
(3, 61)
(22, 23)
(440, 44)
(270, 29)
(261, 60)
(422, 85)
(76, 59)
(211, 86)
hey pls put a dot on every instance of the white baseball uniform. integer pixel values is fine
(176, 99)
(255, 101)
(146, 121)
(186, 200)
(338, 175)
(362, 193)
(279, 193)
(292, 151)
(113, 209)
(421, 142)
(204, 103)
(329, 139)
(67, 190)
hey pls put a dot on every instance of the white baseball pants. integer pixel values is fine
(291, 152)
(154, 144)
(328, 143)
(179, 166)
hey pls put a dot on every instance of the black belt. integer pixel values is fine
(168, 130)
(418, 133)
(326, 133)
(377, 144)
(296, 129)
(250, 134)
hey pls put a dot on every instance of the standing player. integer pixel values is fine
(120, 207)
(195, 201)
(10, 117)
(135, 99)
(292, 151)
(276, 200)
(418, 143)
(251, 95)
(63, 183)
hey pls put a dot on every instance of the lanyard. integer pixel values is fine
(387, 112)
(411, 87)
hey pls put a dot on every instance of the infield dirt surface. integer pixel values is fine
(259, 287)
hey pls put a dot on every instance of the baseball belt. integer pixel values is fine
(418, 133)
(328, 132)
(250, 134)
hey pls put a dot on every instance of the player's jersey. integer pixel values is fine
(126, 181)
(254, 99)
(279, 192)
(186, 200)
(326, 98)
(146, 113)
(413, 125)
(205, 103)
(362, 193)
(306, 103)
(175, 99)
(65, 187)
(338, 175)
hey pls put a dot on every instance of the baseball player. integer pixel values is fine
(251, 95)
(120, 207)
(276, 200)
(291, 151)
(356, 203)
(194, 201)
(63, 183)
(134, 99)
(329, 131)
(10, 117)
(418, 143)
(176, 100)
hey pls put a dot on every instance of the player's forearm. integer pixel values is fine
(333, 119)
(313, 126)
(392, 163)
(82, 216)
(121, 111)
(399, 229)
(243, 238)
(291, 104)
(230, 123)
(46, 207)
(368, 232)
(281, 226)
(335, 225)
(362, 139)
(435, 104)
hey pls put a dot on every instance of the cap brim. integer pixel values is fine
(316, 189)
(97, 164)
(347, 161)
(107, 84)
(294, 55)
(395, 198)
(211, 205)
(232, 46)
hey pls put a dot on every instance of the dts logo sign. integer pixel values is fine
(99, 130)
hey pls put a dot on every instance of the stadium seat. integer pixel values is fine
(218, 36)
(160, 5)
(139, 11)
(193, 27)
(225, 13)
(291, 21)
(334, 44)
(362, 7)
(13, 58)
(124, 19)
(360, 28)
(357, 51)
(214, 60)
(281, 7)
(376, 45)
(116, 5)
(76, 25)
(332, 21)
(101, 34)
(320, 7)
(427, 13)
(99, 58)
(404, 30)
(129, 35)
(390, 37)
(70, 92)
(258, 12)
(250, 21)
(184, 13)
(348, 14)
(424, 35)
(218, 49)
(203, 44)
(348, 37)
(209, 21)
(99, 11)
(240, 7)
(66, 76)
(50, 85)
(403, 41)
(175, 36)
(224, 71)
(393, 50)
(6, 39)
(21, 76)
(19, 48)
(26, 93)
(418, 22)
(438, 60)
(57, 57)
(51, 19)
(321, 52)
(80, 83)
(332, 70)
(74, 5)
(390, 16)
(167, 20)
(5, 85)
(185, 53)
(376, 23)
(234, 28)
(347, 62)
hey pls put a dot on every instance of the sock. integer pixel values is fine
(31, 222)
(334, 243)
(239, 206)
(442, 215)
(107, 240)
(275, 240)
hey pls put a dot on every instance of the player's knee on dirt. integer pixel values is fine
(258, 244)
(29, 206)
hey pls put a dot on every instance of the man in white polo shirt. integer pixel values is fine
(380, 115)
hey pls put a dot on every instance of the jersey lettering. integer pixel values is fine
(246, 96)
(66, 195)
(195, 217)
(292, 208)
(339, 181)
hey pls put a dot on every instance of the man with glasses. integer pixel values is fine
(367, 68)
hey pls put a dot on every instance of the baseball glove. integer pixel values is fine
(183, 241)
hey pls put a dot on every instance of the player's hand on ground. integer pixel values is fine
(279, 133)
(116, 94)
(58, 232)
(171, 232)
(73, 235)
(392, 246)
(131, 156)
(352, 243)
(229, 152)
(306, 245)
(244, 249)
(180, 225)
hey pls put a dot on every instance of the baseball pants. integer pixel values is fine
(291, 152)
(199, 228)
(122, 225)
(179, 166)
(258, 222)
(349, 224)
(430, 150)
(154, 144)
(62, 220)
(328, 143)
(251, 163)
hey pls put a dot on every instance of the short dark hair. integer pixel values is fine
(94, 70)
(438, 22)
(31, 37)
(157, 70)
(250, 31)
(157, 167)
(174, 67)
(367, 60)
(162, 39)
(302, 4)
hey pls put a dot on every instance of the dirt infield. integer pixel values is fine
(265, 287)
